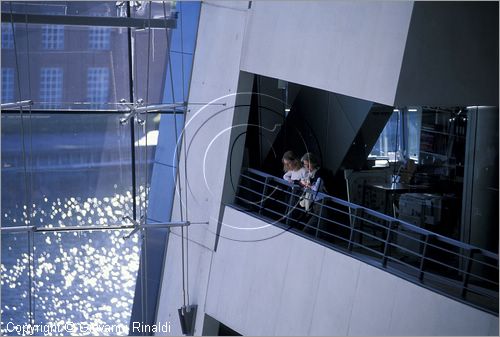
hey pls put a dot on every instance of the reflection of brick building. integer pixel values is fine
(73, 64)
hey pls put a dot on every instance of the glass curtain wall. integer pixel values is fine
(71, 166)
(182, 42)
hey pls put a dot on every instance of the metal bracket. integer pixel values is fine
(19, 104)
(135, 227)
(187, 318)
(141, 224)
(138, 108)
(133, 112)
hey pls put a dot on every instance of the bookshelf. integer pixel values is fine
(442, 142)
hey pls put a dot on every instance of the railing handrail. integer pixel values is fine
(405, 224)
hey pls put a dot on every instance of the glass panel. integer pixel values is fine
(70, 67)
(183, 42)
(13, 175)
(14, 269)
(400, 137)
(145, 143)
(86, 278)
(184, 37)
(180, 78)
(150, 88)
(83, 8)
(72, 169)
(413, 122)
(7, 85)
(159, 10)
(7, 36)
(390, 140)
(164, 168)
(77, 162)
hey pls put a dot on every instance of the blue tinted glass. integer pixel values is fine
(189, 12)
(62, 171)
(59, 80)
(164, 169)
(69, 159)
(14, 269)
(179, 75)
(183, 42)
(53, 37)
(97, 86)
(86, 279)
(7, 36)
(413, 122)
(388, 143)
(7, 85)
(51, 87)
(85, 8)
(99, 38)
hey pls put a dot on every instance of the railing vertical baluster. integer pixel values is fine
(353, 231)
(264, 192)
(468, 267)
(320, 215)
(289, 207)
(392, 224)
(422, 259)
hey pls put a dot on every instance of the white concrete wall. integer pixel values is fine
(215, 79)
(267, 281)
(348, 47)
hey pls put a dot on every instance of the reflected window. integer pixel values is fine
(53, 37)
(99, 38)
(400, 138)
(7, 84)
(413, 121)
(389, 142)
(7, 37)
(51, 83)
(97, 86)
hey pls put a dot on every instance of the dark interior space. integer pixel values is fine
(434, 151)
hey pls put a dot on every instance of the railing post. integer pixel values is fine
(468, 267)
(320, 214)
(392, 224)
(353, 230)
(290, 207)
(264, 192)
(422, 258)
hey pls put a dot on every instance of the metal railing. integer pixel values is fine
(449, 267)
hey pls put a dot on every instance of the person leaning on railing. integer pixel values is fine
(294, 172)
(314, 184)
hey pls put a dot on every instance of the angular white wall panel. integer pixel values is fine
(288, 285)
(300, 286)
(207, 129)
(352, 48)
(419, 311)
(373, 303)
(333, 306)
